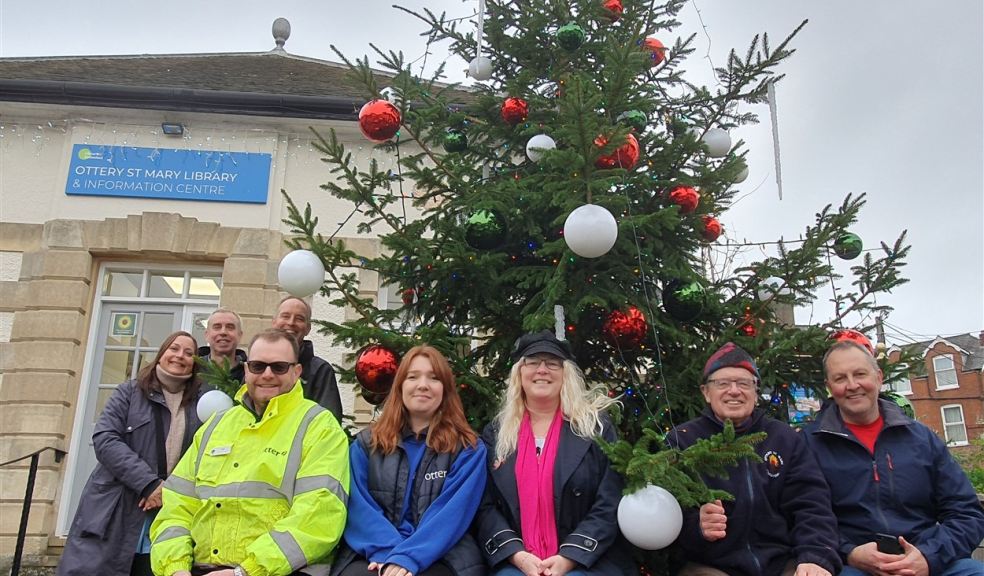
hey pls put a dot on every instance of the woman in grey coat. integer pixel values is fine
(143, 430)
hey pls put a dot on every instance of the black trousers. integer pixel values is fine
(141, 565)
(360, 567)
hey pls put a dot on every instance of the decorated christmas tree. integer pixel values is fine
(577, 187)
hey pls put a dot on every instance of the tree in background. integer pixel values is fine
(582, 105)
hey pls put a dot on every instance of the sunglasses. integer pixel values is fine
(259, 367)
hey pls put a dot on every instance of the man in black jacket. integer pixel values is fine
(294, 316)
(780, 522)
(223, 333)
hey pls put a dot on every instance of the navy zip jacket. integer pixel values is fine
(781, 511)
(909, 487)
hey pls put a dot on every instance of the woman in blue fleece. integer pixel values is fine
(418, 474)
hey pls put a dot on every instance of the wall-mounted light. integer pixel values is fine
(172, 128)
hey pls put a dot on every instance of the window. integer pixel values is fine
(903, 387)
(946, 374)
(954, 431)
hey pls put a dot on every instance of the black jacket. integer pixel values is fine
(781, 510)
(238, 371)
(319, 380)
(586, 496)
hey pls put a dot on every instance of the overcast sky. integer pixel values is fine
(884, 97)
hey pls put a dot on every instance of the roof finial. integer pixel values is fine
(281, 32)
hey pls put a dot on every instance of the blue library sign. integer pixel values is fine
(200, 175)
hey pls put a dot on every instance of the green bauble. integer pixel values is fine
(570, 36)
(683, 300)
(635, 119)
(848, 246)
(455, 141)
(485, 230)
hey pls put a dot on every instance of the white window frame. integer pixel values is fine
(962, 423)
(952, 368)
(903, 387)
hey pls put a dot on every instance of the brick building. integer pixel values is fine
(947, 388)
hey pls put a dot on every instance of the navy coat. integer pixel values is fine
(103, 537)
(586, 496)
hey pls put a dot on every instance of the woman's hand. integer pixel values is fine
(527, 563)
(557, 565)
(154, 500)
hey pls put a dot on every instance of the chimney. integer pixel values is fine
(980, 338)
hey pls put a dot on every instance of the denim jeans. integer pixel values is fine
(965, 567)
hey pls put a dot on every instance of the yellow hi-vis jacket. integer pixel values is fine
(268, 495)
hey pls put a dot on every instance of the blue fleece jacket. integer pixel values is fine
(370, 534)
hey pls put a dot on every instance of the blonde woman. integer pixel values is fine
(551, 500)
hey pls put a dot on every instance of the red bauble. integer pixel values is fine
(514, 110)
(853, 336)
(379, 120)
(614, 8)
(749, 329)
(625, 329)
(712, 228)
(408, 296)
(625, 156)
(375, 368)
(686, 198)
(656, 49)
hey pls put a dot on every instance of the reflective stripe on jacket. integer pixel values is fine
(268, 495)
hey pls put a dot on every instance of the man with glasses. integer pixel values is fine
(263, 487)
(779, 522)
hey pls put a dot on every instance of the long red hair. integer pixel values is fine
(448, 429)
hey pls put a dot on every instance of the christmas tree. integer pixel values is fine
(577, 187)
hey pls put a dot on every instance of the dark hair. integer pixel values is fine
(273, 335)
(147, 377)
(448, 429)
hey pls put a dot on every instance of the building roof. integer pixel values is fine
(970, 347)
(274, 72)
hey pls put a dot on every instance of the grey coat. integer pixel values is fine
(103, 537)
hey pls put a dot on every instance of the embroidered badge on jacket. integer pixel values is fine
(773, 463)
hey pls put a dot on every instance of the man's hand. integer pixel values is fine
(556, 565)
(527, 563)
(810, 569)
(912, 563)
(181, 573)
(223, 572)
(154, 500)
(713, 522)
(867, 558)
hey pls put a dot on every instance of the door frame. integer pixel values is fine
(86, 388)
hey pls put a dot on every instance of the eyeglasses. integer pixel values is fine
(259, 367)
(743, 384)
(550, 363)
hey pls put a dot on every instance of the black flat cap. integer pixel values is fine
(543, 341)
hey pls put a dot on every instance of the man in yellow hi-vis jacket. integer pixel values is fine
(263, 488)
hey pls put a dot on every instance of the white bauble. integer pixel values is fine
(537, 145)
(480, 68)
(741, 176)
(211, 402)
(650, 518)
(301, 273)
(771, 287)
(718, 142)
(590, 231)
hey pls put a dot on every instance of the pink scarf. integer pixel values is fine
(534, 482)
